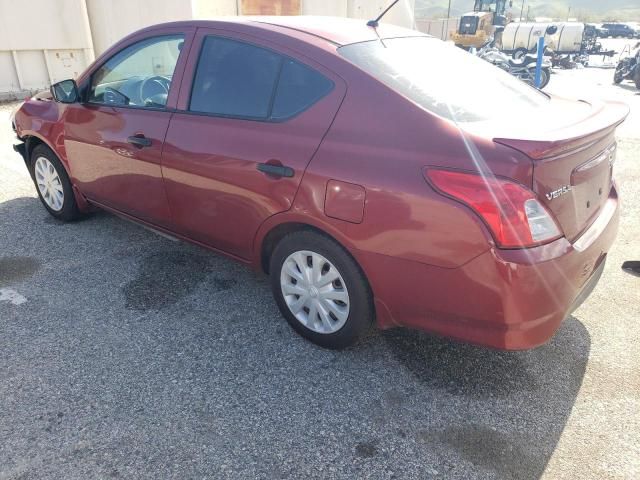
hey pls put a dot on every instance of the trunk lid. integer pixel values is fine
(572, 146)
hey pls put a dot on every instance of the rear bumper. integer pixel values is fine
(507, 299)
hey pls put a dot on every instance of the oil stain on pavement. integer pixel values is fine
(17, 269)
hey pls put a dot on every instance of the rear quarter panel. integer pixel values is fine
(382, 142)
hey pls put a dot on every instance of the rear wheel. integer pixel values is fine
(320, 290)
(519, 53)
(53, 184)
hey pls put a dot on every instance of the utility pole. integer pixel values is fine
(521, 11)
(528, 8)
(445, 37)
(569, 13)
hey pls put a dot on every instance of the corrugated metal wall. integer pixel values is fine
(45, 41)
(41, 41)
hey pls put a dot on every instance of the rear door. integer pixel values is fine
(114, 137)
(237, 148)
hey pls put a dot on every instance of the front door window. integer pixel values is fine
(138, 76)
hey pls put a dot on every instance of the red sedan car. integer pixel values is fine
(378, 175)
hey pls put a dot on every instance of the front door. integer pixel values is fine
(239, 144)
(114, 138)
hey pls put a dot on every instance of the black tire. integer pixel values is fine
(361, 310)
(545, 76)
(637, 78)
(519, 53)
(69, 211)
(617, 77)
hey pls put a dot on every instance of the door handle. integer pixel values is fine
(139, 141)
(275, 170)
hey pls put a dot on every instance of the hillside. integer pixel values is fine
(586, 10)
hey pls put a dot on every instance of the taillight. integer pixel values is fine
(512, 212)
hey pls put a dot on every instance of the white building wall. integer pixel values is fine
(203, 9)
(441, 28)
(63, 37)
(332, 8)
(402, 14)
(55, 44)
(8, 76)
(36, 24)
(111, 20)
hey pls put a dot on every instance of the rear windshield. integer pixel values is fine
(445, 79)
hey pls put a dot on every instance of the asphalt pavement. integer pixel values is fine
(124, 354)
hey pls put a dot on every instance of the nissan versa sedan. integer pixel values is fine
(379, 176)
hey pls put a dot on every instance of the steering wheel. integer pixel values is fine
(154, 88)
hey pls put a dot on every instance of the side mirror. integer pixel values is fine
(65, 91)
(551, 30)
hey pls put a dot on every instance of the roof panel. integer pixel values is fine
(339, 30)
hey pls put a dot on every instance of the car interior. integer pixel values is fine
(140, 75)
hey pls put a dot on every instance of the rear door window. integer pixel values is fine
(239, 80)
(234, 79)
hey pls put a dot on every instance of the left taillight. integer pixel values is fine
(511, 211)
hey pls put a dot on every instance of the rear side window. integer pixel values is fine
(240, 80)
(299, 88)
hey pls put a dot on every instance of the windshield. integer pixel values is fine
(445, 79)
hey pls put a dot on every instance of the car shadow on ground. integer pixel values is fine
(157, 338)
(630, 87)
(512, 406)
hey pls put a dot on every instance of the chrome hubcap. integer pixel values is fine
(49, 184)
(315, 292)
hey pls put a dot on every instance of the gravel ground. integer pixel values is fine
(127, 355)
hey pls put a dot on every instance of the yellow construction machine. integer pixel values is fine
(477, 27)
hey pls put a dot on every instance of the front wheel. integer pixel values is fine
(545, 76)
(617, 77)
(53, 184)
(320, 290)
